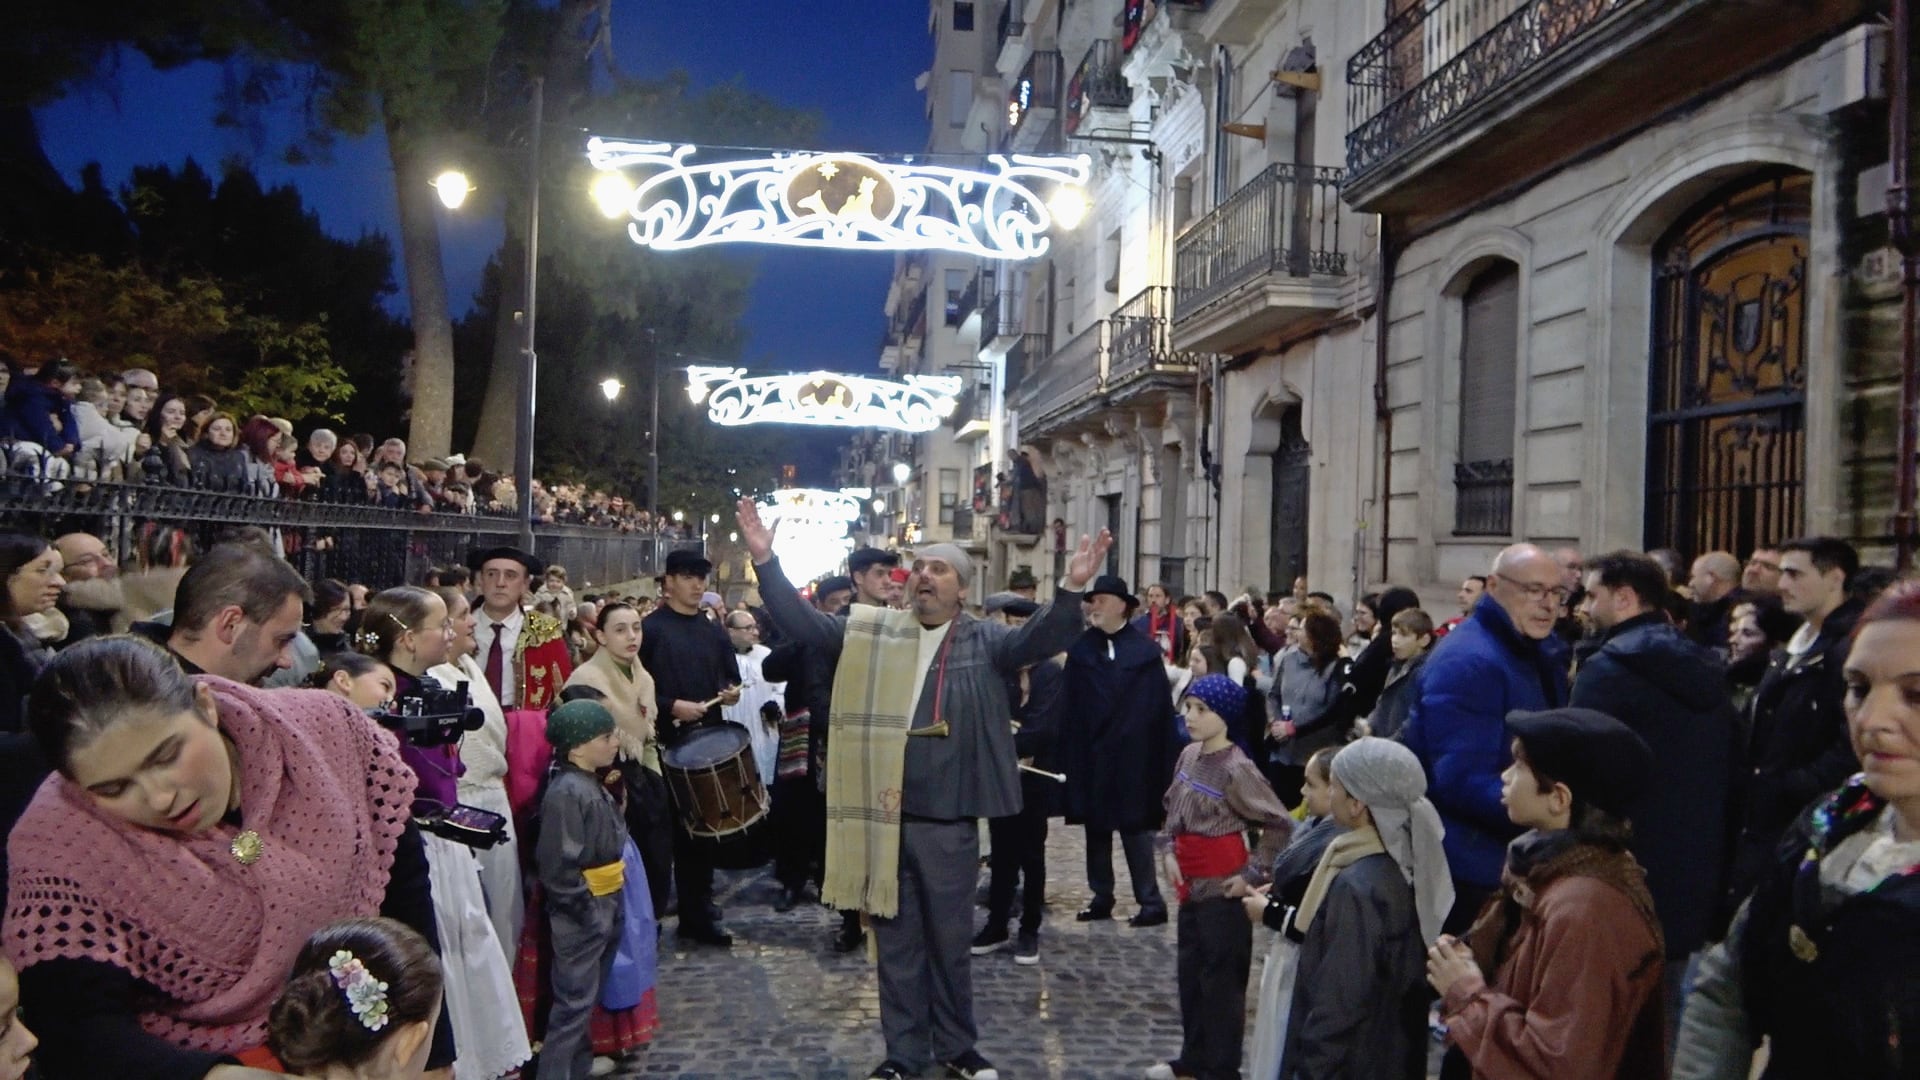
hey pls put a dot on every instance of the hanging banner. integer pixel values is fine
(821, 399)
(846, 201)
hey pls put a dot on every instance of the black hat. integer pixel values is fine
(480, 558)
(1110, 585)
(688, 562)
(1023, 579)
(1021, 608)
(1599, 758)
(834, 584)
(867, 558)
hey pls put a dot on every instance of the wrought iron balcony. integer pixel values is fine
(1026, 351)
(1066, 385)
(1483, 498)
(973, 413)
(1459, 98)
(1034, 101)
(966, 303)
(1098, 83)
(1012, 26)
(1137, 15)
(1271, 252)
(1003, 314)
(1140, 344)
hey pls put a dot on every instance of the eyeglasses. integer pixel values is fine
(1557, 593)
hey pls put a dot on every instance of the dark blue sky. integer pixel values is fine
(851, 61)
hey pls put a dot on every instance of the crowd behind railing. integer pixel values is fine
(61, 424)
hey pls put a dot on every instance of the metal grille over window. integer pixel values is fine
(1489, 348)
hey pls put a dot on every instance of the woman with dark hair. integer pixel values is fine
(201, 410)
(1758, 628)
(1374, 662)
(207, 865)
(219, 461)
(1240, 660)
(31, 568)
(328, 614)
(1304, 712)
(1823, 960)
(167, 460)
(359, 678)
(347, 481)
(363, 1000)
(1366, 622)
(259, 438)
(409, 629)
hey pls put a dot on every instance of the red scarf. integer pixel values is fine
(1157, 619)
(1208, 857)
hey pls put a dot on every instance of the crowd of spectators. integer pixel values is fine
(60, 423)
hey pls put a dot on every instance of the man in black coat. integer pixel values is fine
(1117, 745)
(1019, 841)
(1673, 694)
(1797, 744)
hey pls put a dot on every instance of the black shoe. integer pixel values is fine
(971, 1066)
(786, 901)
(1094, 913)
(707, 935)
(1026, 951)
(990, 939)
(848, 938)
(889, 1070)
(1148, 917)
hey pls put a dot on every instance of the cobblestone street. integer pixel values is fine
(782, 1004)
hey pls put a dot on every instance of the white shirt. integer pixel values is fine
(931, 638)
(509, 637)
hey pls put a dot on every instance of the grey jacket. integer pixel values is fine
(580, 826)
(1360, 998)
(973, 772)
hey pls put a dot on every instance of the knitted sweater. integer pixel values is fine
(325, 789)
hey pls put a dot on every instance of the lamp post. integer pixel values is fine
(530, 360)
(653, 434)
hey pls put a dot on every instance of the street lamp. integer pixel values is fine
(612, 193)
(1069, 207)
(453, 188)
(902, 472)
(611, 388)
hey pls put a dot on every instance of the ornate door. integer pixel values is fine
(1292, 482)
(1726, 435)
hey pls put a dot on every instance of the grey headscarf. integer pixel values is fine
(1387, 777)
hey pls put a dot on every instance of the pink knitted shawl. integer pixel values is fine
(325, 789)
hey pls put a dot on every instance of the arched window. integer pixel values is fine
(1489, 365)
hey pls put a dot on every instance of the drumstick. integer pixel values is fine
(1054, 776)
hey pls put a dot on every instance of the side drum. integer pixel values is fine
(715, 784)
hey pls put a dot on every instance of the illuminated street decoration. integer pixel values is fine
(810, 528)
(822, 399)
(849, 201)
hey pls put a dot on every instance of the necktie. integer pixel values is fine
(496, 661)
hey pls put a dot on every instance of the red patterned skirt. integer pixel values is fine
(613, 1033)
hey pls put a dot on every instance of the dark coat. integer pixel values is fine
(1396, 698)
(1360, 997)
(1478, 674)
(39, 412)
(219, 470)
(1368, 676)
(1038, 740)
(1797, 745)
(1116, 732)
(1182, 638)
(20, 663)
(1673, 693)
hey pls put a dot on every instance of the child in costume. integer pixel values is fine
(1272, 905)
(579, 859)
(1217, 794)
(1571, 941)
(364, 996)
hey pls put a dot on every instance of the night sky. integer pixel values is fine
(851, 61)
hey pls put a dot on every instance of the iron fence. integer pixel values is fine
(1286, 221)
(1037, 88)
(1076, 372)
(1141, 341)
(1027, 351)
(1098, 83)
(1483, 498)
(1441, 58)
(371, 545)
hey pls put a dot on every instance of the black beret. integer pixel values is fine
(483, 556)
(867, 558)
(830, 585)
(1021, 608)
(1599, 758)
(685, 561)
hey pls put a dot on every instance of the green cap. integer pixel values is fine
(577, 722)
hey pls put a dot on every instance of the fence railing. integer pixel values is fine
(1098, 83)
(370, 545)
(1037, 87)
(1440, 58)
(1483, 498)
(1026, 352)
(1286, 220)
(1141, 341)
(1005, 311)
(1076, 371)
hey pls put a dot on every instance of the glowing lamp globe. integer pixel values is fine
(613, 193)
(453, 188)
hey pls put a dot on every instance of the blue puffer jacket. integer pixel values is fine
(1481, 671)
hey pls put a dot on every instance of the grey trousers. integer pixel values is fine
(1138, 849)
(584, 943)
(926, 977)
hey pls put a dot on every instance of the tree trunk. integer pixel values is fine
(567, 81)
(430, 424)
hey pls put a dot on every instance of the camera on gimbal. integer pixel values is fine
(433, 715)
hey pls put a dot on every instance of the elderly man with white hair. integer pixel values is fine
(1502, 658)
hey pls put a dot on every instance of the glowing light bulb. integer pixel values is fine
(613, 193)
(901, 471)
(453, 187)
(1068, 207)
(611, 388)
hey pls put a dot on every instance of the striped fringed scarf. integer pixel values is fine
(866, 759)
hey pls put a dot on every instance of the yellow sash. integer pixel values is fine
(606, 880)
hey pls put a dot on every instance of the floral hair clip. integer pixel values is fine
(366, 640)
(366, 995)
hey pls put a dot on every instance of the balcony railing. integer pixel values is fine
(910, 320)
(1286, 221)
(1074, 374)
(1442, 58)
(1139, 14)
(1034, 99)
(1141, 341)
(1483, 498)
(1026, 351)
(1098, 83)
(1004, 313)
(965, 304)
(1013, 23)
